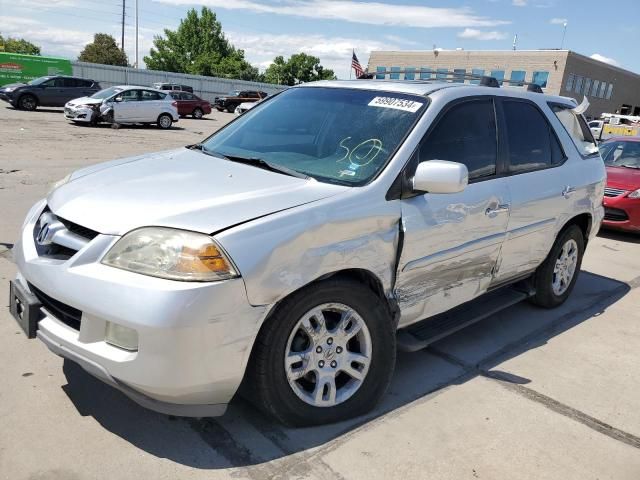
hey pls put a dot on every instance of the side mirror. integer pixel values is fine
(440, 176)
(117, 99)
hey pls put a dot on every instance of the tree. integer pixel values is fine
(199, 47)
(103, 50)
(299, 68)
(18, 45)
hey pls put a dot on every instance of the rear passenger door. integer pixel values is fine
(540, 184)
(451, 242)
(149, 108)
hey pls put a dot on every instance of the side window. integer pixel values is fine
(59, 82)
(466, 134)
(188, 96)
(532, 143)
(577, 128)
(70, 83)
(85, 83)
(128, 96)
(149, 95)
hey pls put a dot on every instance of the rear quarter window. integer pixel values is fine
(577, 128)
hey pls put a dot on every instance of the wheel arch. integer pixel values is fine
(584, 221)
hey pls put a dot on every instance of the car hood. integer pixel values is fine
(12, 85)
(85, 101)
(181, 189)
(625, 178)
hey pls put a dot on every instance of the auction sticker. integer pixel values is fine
(396, 103)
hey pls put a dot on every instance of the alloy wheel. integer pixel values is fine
(565, 267)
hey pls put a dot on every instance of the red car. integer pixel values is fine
(190, 104)
(622, 194)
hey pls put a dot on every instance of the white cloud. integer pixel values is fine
(481, 35)
(602, 58)
(334, 52)
(519, 3)
(373, 13)
(558, 21)
(50, 38)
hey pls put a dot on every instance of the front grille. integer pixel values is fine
(613, 192)
(79, 229)
(615, 214)
(66, 314)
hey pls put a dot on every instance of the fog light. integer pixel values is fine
(121, 337)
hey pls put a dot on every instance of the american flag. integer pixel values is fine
(355, 64)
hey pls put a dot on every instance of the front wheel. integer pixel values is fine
(556, 277)
(326, 354)
(165, 121)
(198, 113)
(27, 102)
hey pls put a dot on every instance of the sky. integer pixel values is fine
(330, 29)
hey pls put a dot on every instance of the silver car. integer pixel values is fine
(296, 249)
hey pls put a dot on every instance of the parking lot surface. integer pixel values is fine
(527, 393)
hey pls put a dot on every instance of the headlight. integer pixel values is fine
(634, 194)
(172, 254)
(10, 89)
(60, 182)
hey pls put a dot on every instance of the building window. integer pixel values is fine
(603, 89)
(498, 75)
(570, 79)
(540, 78)
(381, 76)
(458, 75)
(609, 91)
(478, 72)
(409, 73)
(587, 86)
(595, 88)
(579, 83)
(396, 75)
(517, 77)
(442, 73)
(425, 73)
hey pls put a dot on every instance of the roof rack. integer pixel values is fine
(483, 80)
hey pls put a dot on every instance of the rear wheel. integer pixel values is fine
(327, 354)
(231, 108)
(556, 277)
(165, 121)
(198, 113)
(27, 102)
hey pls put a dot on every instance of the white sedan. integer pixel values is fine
(124, 105)
(244, 106)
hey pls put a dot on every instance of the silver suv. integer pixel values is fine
(298, 247)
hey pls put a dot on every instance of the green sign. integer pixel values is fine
(16, 68)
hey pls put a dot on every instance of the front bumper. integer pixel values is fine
(194, 339)
(79, 114)
(622, 213)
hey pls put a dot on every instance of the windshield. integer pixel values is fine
(106, 93)
(621, 154)
(39, 80)
(335, 135)
(234, 93)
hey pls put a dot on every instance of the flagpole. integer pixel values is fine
(351, 64)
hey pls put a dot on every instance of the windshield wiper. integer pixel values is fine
(260, 163)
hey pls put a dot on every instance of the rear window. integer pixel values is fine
(577, 128)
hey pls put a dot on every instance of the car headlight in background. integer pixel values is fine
(10, 89)
(634, 194)
(171, 254)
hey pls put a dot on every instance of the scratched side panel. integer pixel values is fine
(278, 254)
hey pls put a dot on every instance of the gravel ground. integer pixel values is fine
(528, 393)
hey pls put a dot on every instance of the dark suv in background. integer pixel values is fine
(50, 91)
(235, 98)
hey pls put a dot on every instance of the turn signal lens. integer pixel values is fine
(172, 254)
(635, 194)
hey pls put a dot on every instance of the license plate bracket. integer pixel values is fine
(25, 308)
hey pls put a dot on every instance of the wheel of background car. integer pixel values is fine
(231, 108)
(27, 102)
(165, 121)
(326, 354)
(557, 275)
(197, 113)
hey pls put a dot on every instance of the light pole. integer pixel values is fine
(137, 64)
(564, 32)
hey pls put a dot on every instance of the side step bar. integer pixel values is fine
(421, 334)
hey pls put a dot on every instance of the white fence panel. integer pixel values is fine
(205, 87)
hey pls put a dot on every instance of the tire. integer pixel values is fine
(556, 276)
(231, 108)
(289, 398)
(197, 113)
(165, 121)
(27, 102)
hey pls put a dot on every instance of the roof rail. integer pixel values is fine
(484, 80)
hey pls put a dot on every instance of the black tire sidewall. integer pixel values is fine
(545, 295)
(23, 98)
(197, 113)
(276, 395)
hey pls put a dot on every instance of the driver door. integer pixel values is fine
(451, 242)
(126, 106)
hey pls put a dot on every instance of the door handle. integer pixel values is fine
(568, 191)
(501, 208)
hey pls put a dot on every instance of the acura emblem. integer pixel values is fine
(49, 226)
